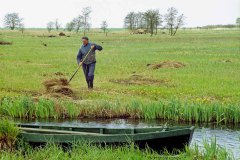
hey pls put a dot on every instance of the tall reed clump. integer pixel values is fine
(25, 107)
(210, 150)
(8, 134)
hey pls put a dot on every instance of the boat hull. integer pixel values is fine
(157, 140)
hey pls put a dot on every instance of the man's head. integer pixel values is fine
(85, 40)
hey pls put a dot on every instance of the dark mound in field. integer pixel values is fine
(58, 87)
(167, 64)
(139, 80)
(62, 34)
(5, 43)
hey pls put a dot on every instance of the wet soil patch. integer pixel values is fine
(58, 87)
(139, 80)
(167, 64)
(5, 43)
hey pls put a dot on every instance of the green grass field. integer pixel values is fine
(210, 75)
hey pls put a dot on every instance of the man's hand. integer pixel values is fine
(92, 46)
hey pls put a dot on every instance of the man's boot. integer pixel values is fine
(91, 82)
(88, 83)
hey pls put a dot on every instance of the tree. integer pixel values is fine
(104, 26)
(86, 17)
(21, 27)
(129, 21)
(12, 20)
(238, 22)
(180, 22)
(70, 26)
(50, 26)
(78, 22)
(173, 22)
(57, 25)
(153, 20)
(147, 21)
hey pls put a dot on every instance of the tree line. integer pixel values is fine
(82, 21)
(148, 22)
(151, 20)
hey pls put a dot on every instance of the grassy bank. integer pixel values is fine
(86, 151)
(28, 108)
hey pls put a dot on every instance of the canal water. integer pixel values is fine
(227, 136)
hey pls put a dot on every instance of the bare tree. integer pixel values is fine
(57, 25)
(104, 26)
(50, 26)
(129, 21)
(153, 20)
(86, 17)
(12, 20)
(173, 22)
(21, 27)
(148, 21)
(158, 21)
(78, 22)
(170, 19)
(70, 26)
(179, 23)
(140, 19)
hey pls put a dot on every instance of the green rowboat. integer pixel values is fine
(156, 138)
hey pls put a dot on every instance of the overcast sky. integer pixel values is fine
(37, 13)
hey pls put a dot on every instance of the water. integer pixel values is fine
(227, 137)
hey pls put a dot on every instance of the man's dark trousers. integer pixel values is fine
(88, 70)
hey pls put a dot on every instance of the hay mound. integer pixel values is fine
(139, 80)
(5, 43)
(62, 34)
(167, 64)
(58, 87)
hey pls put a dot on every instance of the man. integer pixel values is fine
(89, 61)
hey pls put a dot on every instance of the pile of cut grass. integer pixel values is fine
(58, 87)
(25, 107)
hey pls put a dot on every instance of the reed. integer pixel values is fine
(25, 107)
(8, 134)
